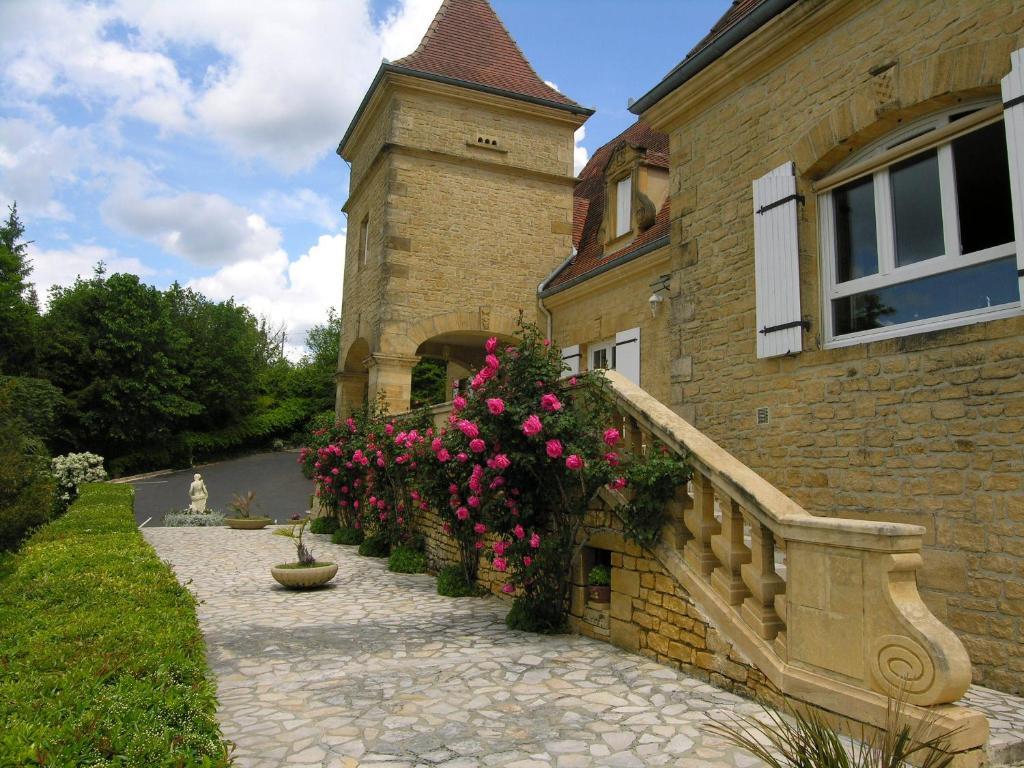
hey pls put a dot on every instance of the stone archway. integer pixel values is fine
(352, 379)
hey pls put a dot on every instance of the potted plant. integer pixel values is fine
(599, 582)
(242, 517)
(307, 571)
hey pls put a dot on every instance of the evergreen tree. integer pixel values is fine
(19, 308)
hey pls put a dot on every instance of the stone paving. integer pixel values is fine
(381, 671)
(378, 670)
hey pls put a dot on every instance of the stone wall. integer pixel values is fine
(598, 308)
(926, 428)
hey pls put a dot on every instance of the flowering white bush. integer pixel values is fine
(72, 470)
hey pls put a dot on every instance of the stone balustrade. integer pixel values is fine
(827, 609)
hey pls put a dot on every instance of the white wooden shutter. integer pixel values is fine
(571, 357)
(627, 354)
(777, 264)
(1013, 119)
(623, 205)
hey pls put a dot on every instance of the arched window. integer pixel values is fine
(917, 230)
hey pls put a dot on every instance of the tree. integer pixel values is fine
(112, 345)
(19, 312)
(313, 376)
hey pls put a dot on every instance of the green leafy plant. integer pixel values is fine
(599, 576)
(347, 536)
(376, 545)
(451, 582)
(88, 588)
(324, 525)
(652, 483)
(405, 559)
(805, 740)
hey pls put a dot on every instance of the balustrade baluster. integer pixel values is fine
(763, 582)
(731, 552)
(701, 522)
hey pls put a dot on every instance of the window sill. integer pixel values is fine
(924, 326)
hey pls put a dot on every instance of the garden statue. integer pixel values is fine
(197, 493)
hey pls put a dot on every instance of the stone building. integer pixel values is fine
(809, 247)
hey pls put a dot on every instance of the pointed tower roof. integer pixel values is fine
(467, 45)
(467, 41)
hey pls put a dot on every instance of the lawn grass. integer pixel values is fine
(101, 658)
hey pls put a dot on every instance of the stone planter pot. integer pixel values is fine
(599, 594)
(304, 578)
(247, 523)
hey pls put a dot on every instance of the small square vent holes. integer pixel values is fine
(762, 416)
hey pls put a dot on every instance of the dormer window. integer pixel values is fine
(623, 205)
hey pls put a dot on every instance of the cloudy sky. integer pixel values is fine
(193, 140)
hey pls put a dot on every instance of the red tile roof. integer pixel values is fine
(588, 204)
(735, 13)
(467, 41)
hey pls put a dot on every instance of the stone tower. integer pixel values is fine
(460, 203)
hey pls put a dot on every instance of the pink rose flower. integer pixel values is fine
(499, 547)
(527, 561)
(501, 461)
(618, 483)
(477, 382)
(480, 528)
(389, 429)
(500, 564)
(453, 488)
(458, 402)
(572, 381)
(519, 532)
(462, 458)
(574, 462)
(611, 436)
(479, 545)
(492, 362)
(491, 344)
(535, 541)
(553, 448)
(474, 502)
(443, 455)
(468, 428)
(508, 589)
(436, 444)
(532, 425)
(495, 405)
(477, 445)
(612, 458)
(462, 513)
(550, 403)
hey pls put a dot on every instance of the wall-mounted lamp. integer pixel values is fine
(655, 301)
(659, 287)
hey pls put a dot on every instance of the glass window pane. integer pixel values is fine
(856, 238)
(983, 285)
(917, 209)
(983, 188)
(623, 201)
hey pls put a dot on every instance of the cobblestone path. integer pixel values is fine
(380, 671)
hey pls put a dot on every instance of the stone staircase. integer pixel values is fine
(826, 609)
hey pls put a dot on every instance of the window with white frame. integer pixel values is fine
(623, 205)
(602, 356)
(925, 240)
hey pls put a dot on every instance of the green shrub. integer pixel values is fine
(188, 519)
(407, 560)
(525, 616)
(452, 583)
(324, 525)
(348, 536)
(599, 576)
(26, 486)
(375, 546)
(251, 431)
(103, 659)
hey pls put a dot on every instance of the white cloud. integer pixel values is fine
(35, 161)
(62, 266)
(405, 26)
(202, 228)
(303, 205)
(296, 293)
(579, 152)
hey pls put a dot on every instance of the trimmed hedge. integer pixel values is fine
(251, 431)
(103, 662)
